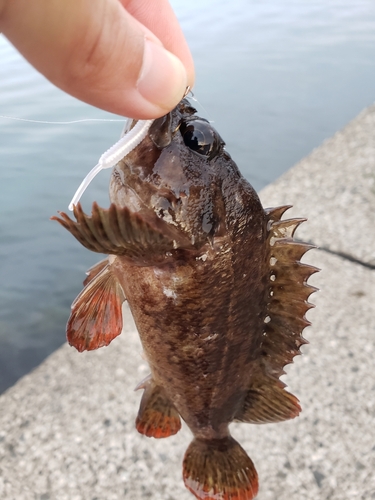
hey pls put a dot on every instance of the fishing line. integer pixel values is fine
(130, 140)
(193, 98)
(63, 123)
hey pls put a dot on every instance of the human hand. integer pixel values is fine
(128, 57)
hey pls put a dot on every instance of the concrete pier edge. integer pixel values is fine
(67, 428)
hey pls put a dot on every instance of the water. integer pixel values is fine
(276, 77)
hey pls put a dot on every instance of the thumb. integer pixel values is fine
(96, 51)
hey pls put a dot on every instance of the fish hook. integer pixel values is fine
(129, 141)
(187, 91)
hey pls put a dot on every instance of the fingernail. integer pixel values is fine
(163, 78)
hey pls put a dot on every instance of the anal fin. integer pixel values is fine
(268, 402)
(96, 317)
(157, 417)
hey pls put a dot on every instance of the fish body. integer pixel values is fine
(216, 290)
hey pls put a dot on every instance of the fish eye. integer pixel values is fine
(201, 137)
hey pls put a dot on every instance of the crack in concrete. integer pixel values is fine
(343, 255)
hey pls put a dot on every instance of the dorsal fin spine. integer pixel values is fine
(275, 213)
(289, 291)
(285, 228)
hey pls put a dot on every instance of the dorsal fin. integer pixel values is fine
(289, 291)
(275, 213)
(266, 400)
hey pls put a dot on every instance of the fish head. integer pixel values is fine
(176, 172)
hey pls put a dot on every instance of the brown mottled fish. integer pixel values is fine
(216, 290)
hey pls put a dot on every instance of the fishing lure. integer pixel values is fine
(130, 140)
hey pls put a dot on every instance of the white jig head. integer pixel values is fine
(114, 154)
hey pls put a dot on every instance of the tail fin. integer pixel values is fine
(219, 469)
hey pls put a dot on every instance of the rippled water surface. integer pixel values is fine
(276, 77)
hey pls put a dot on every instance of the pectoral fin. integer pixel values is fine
(96, 317)
(94, 271)
(119, 231)
(157, 417)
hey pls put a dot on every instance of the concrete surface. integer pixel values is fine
(335, 188)
(67, 429)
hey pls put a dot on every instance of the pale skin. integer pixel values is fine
(128, 57)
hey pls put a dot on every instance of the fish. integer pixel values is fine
(216, 289)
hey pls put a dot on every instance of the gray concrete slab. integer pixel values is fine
(67, 429)
(335, 188)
